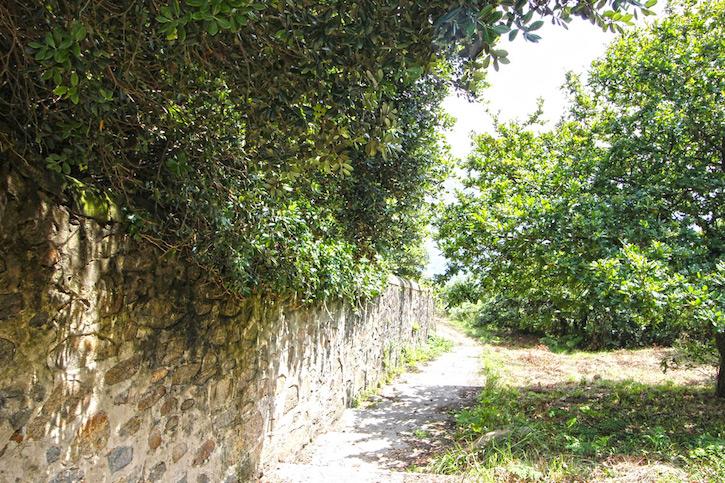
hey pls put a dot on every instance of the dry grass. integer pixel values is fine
(537, 366)
(588, 416)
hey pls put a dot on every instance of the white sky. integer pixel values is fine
(536, 71)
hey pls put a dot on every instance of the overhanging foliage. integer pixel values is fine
(287, 146)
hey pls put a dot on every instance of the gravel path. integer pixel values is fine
(403, 426)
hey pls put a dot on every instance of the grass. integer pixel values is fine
(435, 346)
(421, 433)
(411, 357)
(580, 416)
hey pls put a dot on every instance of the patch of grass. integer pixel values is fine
(410, 358)
(434, 347)
(421, 434)
(587, 429)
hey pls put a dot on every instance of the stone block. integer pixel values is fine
(154, 439)
(157, 472)
(151, 397)
(169, 406)
(123, 371)
(130, 427)
(119, 458)
(204, 452)
(93, 436)
(70, 475)
(179, 451)
(52, 454)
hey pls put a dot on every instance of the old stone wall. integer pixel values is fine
(120, 364)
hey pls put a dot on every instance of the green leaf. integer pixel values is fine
(79, 33)
(223, 23)
(501, 28)
(213, 28)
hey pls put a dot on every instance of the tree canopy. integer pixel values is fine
(286, 146)
(608, 229)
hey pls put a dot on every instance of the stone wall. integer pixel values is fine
(119, 364)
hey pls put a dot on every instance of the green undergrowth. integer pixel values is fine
(580, 431)
(465, 318)
(411, 357)
(434, 347)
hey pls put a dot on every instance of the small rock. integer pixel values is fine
(119, 458)
(122, 398)
(122, 371)
(7, 351)
(184, 374)
(154, 439)
(130, 427)
(178, 452)
(52, 454)
(169, 406)
(172, 423)
(158, 375)
(151, 397)
(10, 305)
(157, 472)
(20, 418)
(39, 320)
(203, 453)
(37, 393)
(93, 436)
(71, 475)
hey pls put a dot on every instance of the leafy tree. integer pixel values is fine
(287, 146)
(608, 229)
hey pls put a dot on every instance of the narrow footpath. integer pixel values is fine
(399, 429)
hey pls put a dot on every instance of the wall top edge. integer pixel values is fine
(405, 283)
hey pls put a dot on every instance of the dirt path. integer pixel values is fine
(401, 427)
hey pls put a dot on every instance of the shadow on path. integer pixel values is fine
(410, 419)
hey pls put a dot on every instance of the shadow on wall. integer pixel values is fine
(123, 364)
(116, 362)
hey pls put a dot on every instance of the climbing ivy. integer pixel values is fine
(286, 146)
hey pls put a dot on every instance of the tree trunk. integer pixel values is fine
(720, 340)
